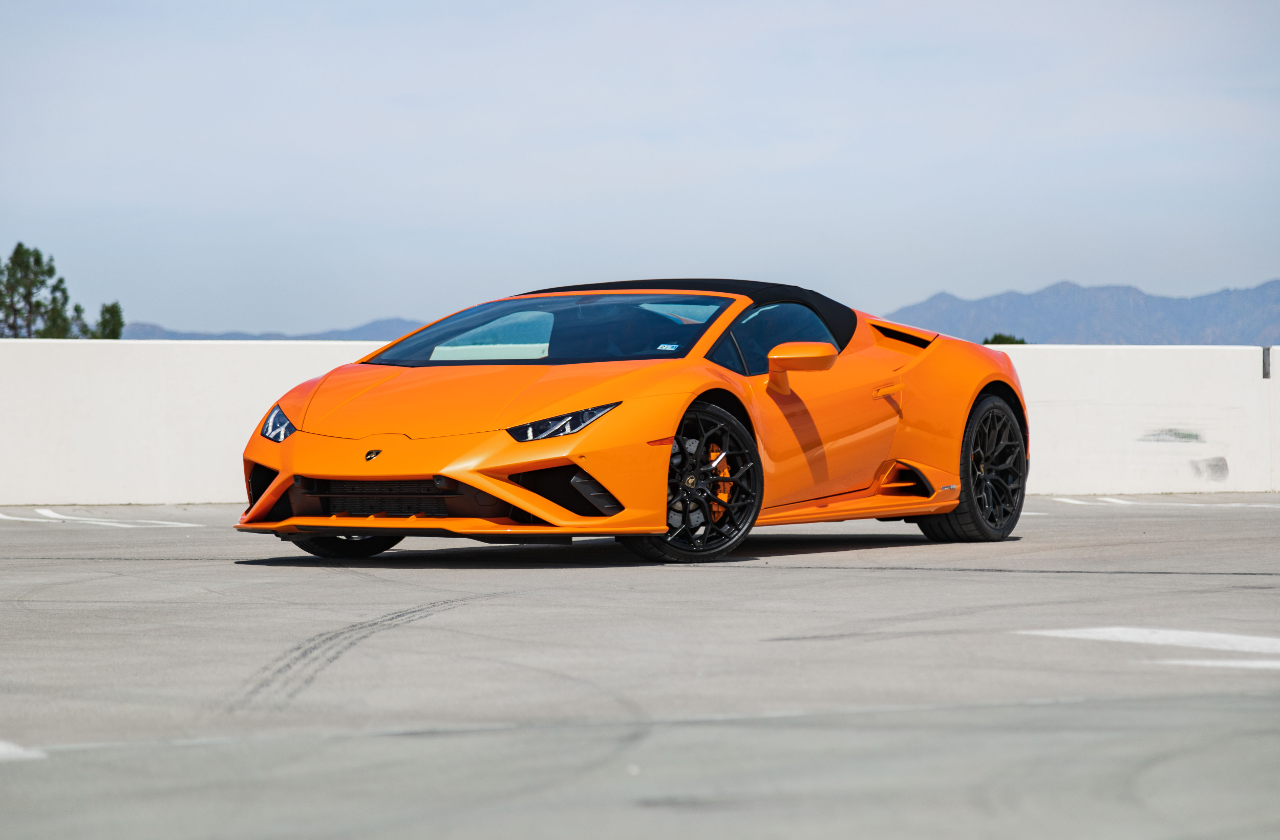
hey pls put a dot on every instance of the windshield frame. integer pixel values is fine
(730, 306)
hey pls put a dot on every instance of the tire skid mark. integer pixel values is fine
(276, 684)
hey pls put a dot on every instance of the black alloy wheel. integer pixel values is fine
(346, 548)
(714, 489)
(993, 478)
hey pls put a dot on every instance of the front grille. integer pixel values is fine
(384, 488)
(391, 506)
(389, 498)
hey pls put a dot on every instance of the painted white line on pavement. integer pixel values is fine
(25, 519)
(13, 752)
(114, 523)
(1260, 664)
(1173, 638)
(1130, 502)
(109, 523)
(165, 524)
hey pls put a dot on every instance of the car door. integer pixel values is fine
(830, 433)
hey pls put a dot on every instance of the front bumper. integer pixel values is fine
(615, 451)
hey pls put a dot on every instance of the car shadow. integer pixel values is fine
(584, 554)
(591, 554)
(785, 545)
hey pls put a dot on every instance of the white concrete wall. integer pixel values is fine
(1165, 419)
(1275, 423)
(142, 422)
(117, 422)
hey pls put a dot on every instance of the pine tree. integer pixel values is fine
(32, 307)
(26, 275)
(57, 323)
(110, 321)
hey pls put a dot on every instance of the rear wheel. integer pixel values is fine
(346, 548)
(714, 488)
(993, 473)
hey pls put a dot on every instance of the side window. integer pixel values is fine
(765, 328)
(726, 354)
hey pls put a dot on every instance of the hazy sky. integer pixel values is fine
(317, 165)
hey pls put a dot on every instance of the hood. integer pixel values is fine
(358, 400)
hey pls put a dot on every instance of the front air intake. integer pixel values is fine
(258, 482)
(572, 488)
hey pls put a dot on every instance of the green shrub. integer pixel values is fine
(1004, 338)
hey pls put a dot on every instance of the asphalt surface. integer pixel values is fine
(183, 680)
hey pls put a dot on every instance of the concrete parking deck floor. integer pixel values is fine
(850, 680)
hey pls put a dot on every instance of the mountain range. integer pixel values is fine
(1063, 313)
(1066, 313)
(383, 330)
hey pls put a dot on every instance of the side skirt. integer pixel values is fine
(882, 500)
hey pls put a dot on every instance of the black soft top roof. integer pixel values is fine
(839, 318)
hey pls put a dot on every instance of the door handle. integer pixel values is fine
(887, 390)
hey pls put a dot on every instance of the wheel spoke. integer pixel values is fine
(731, 498)
(1007, 463)
(991, 503)
(996, 468)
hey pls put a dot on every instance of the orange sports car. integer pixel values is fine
(674, 415)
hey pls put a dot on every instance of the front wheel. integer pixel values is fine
(993, 479)
(714, 489)
(346, 548)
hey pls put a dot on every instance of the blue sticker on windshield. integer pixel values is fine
(668, 346)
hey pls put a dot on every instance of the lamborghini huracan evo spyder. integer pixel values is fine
(674, 415)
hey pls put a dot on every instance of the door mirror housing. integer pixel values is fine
(798, 356)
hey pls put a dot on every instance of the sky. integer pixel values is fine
(308, 166)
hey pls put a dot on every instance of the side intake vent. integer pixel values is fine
(905, 480)
(571, 488)
(899, 335)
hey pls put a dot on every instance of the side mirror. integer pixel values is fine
(798, 355)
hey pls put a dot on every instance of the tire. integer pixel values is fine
(993, 477)
(346, 548)
(714, 489)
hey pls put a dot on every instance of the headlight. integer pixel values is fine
(277, 427)
(565, 424)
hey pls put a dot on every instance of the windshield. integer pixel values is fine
(561, 331)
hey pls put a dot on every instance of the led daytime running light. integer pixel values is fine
(565, 424)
